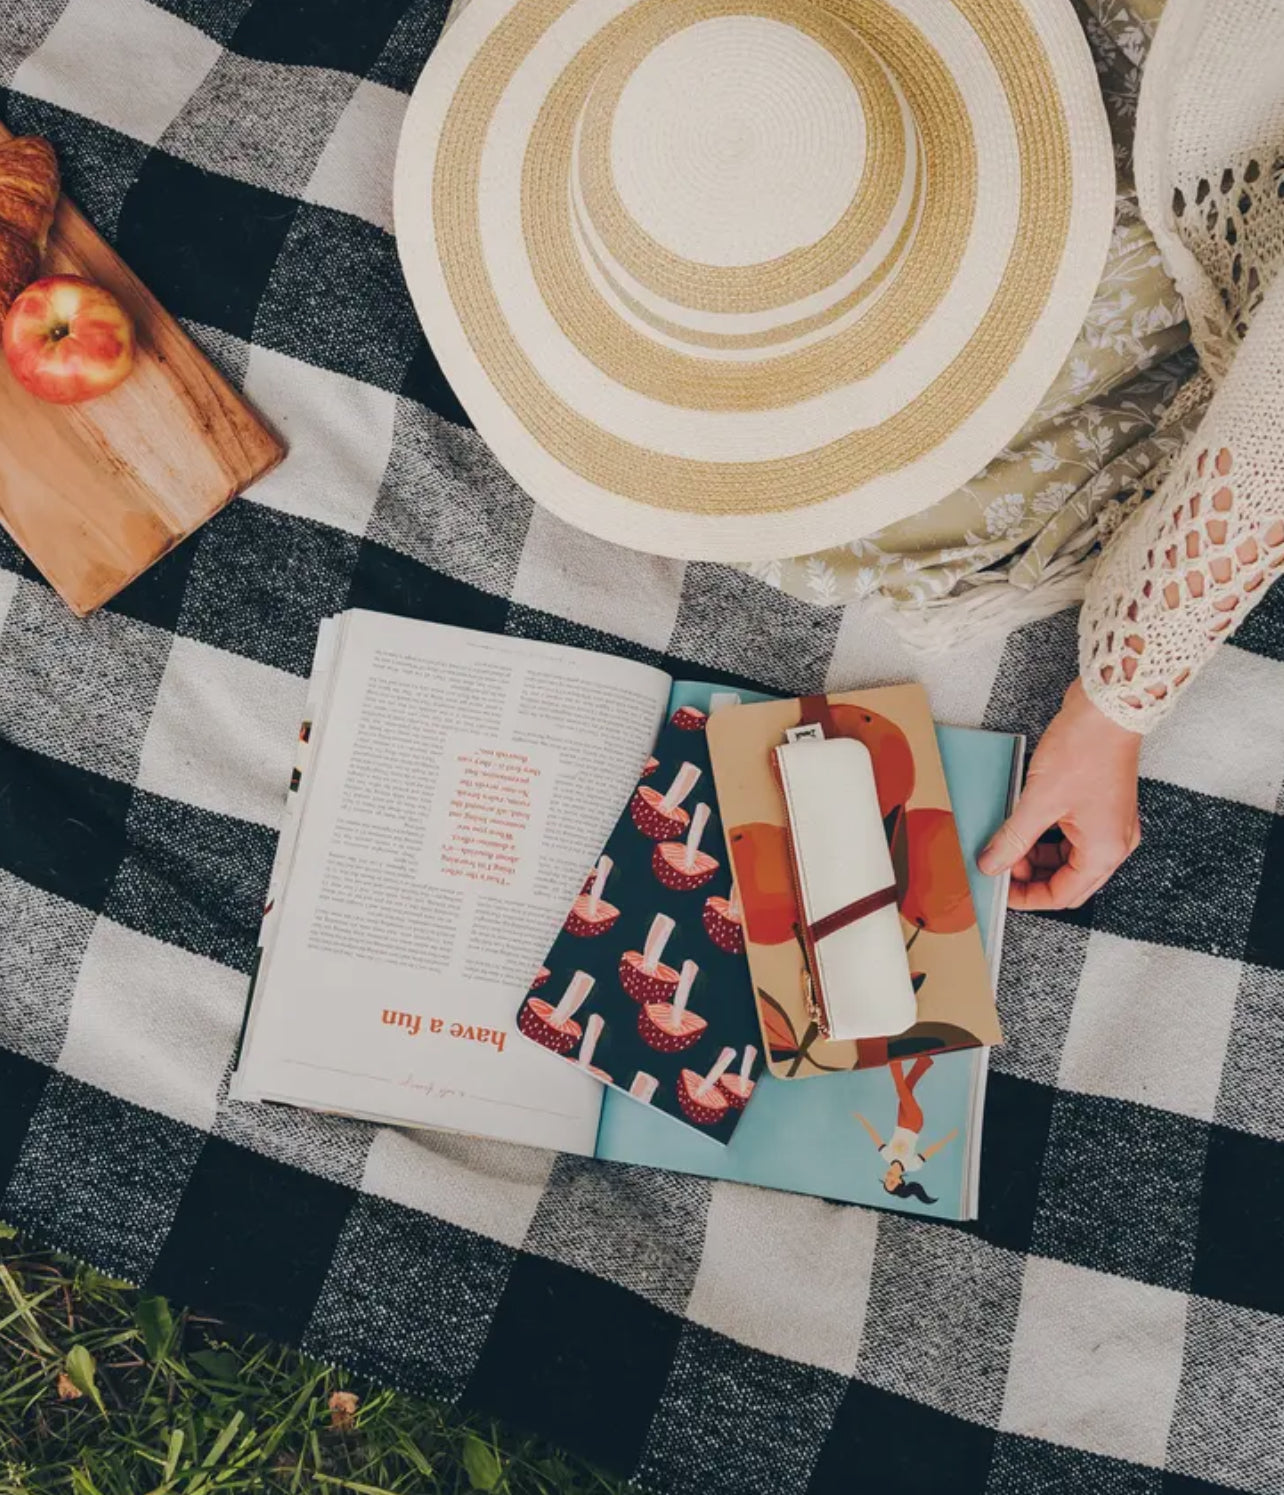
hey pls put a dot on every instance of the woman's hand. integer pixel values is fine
(1082, 778)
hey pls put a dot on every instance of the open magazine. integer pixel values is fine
(453, 790)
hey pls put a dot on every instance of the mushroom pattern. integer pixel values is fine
(661, 817)
(642, 974)
(649, 767)
(739, 1087)
(555, 1027)
(723, 921)
(541, 976)
(669, 1027)
(644, 1087)
(590, 914)
(688, 719)
(701, 1100)
(584, 1059)
(682, 866)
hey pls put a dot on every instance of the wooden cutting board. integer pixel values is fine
(96, 493)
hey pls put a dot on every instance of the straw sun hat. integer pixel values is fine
(737, 279)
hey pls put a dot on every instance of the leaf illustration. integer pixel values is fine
(898, 845)
(829, 1069)
(804, 1050)
(776, 1026)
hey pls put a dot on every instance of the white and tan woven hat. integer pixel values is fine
(736, 279)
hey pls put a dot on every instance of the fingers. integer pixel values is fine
(1064, 875)
(1047, 856)
(1014, 838)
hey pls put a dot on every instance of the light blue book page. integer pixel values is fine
(802, 1135)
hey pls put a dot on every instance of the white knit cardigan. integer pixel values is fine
(1197, 556)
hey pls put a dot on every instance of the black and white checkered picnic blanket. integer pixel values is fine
(1113, 1323)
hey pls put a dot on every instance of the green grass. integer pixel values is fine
(105, 1391)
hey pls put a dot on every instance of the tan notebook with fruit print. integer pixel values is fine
(953, 991)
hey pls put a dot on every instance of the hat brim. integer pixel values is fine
(587, 394)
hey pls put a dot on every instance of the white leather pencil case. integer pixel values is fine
(857, 970)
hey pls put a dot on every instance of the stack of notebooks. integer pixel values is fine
(533, 893)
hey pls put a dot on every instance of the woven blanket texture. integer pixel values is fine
(1113, 1323)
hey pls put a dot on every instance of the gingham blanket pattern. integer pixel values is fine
(1115, 1320)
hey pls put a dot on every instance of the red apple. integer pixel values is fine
(68, 340)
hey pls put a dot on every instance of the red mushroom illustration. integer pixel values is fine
(699, 1096)
(584, 1059)
(688, 719)
(738, 1088)
(590, 913)
(660, 816)
(554, 1027)
(644, 1087)
(642, 974)
(682, 866)
(724, 922)
(668, 1027)
(649, 767)
(541, 976)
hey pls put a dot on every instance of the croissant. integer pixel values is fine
(29, 185)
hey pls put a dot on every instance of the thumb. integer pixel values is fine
(1016, 835)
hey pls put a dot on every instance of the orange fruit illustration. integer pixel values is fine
(761, 854)
(938, 898)
(887, 744)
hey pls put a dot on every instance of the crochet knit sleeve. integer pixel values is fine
(1181, 575)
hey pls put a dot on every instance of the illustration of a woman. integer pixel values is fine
(901, 1152)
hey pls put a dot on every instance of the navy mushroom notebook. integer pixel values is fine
(646, 986)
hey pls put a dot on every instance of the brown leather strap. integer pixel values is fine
(842, 917)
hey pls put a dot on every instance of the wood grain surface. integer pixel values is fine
(96, 493)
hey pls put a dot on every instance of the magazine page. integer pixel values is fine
(903, 1137)
(646, 984)
(457, 793)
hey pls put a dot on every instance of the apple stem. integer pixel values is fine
(746, 1064)
(592, 1032)
(698, 822)
(657, 938)
(682, 785)
(599, 882)
(581, 983)
(685, 983)
(716, 1073)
